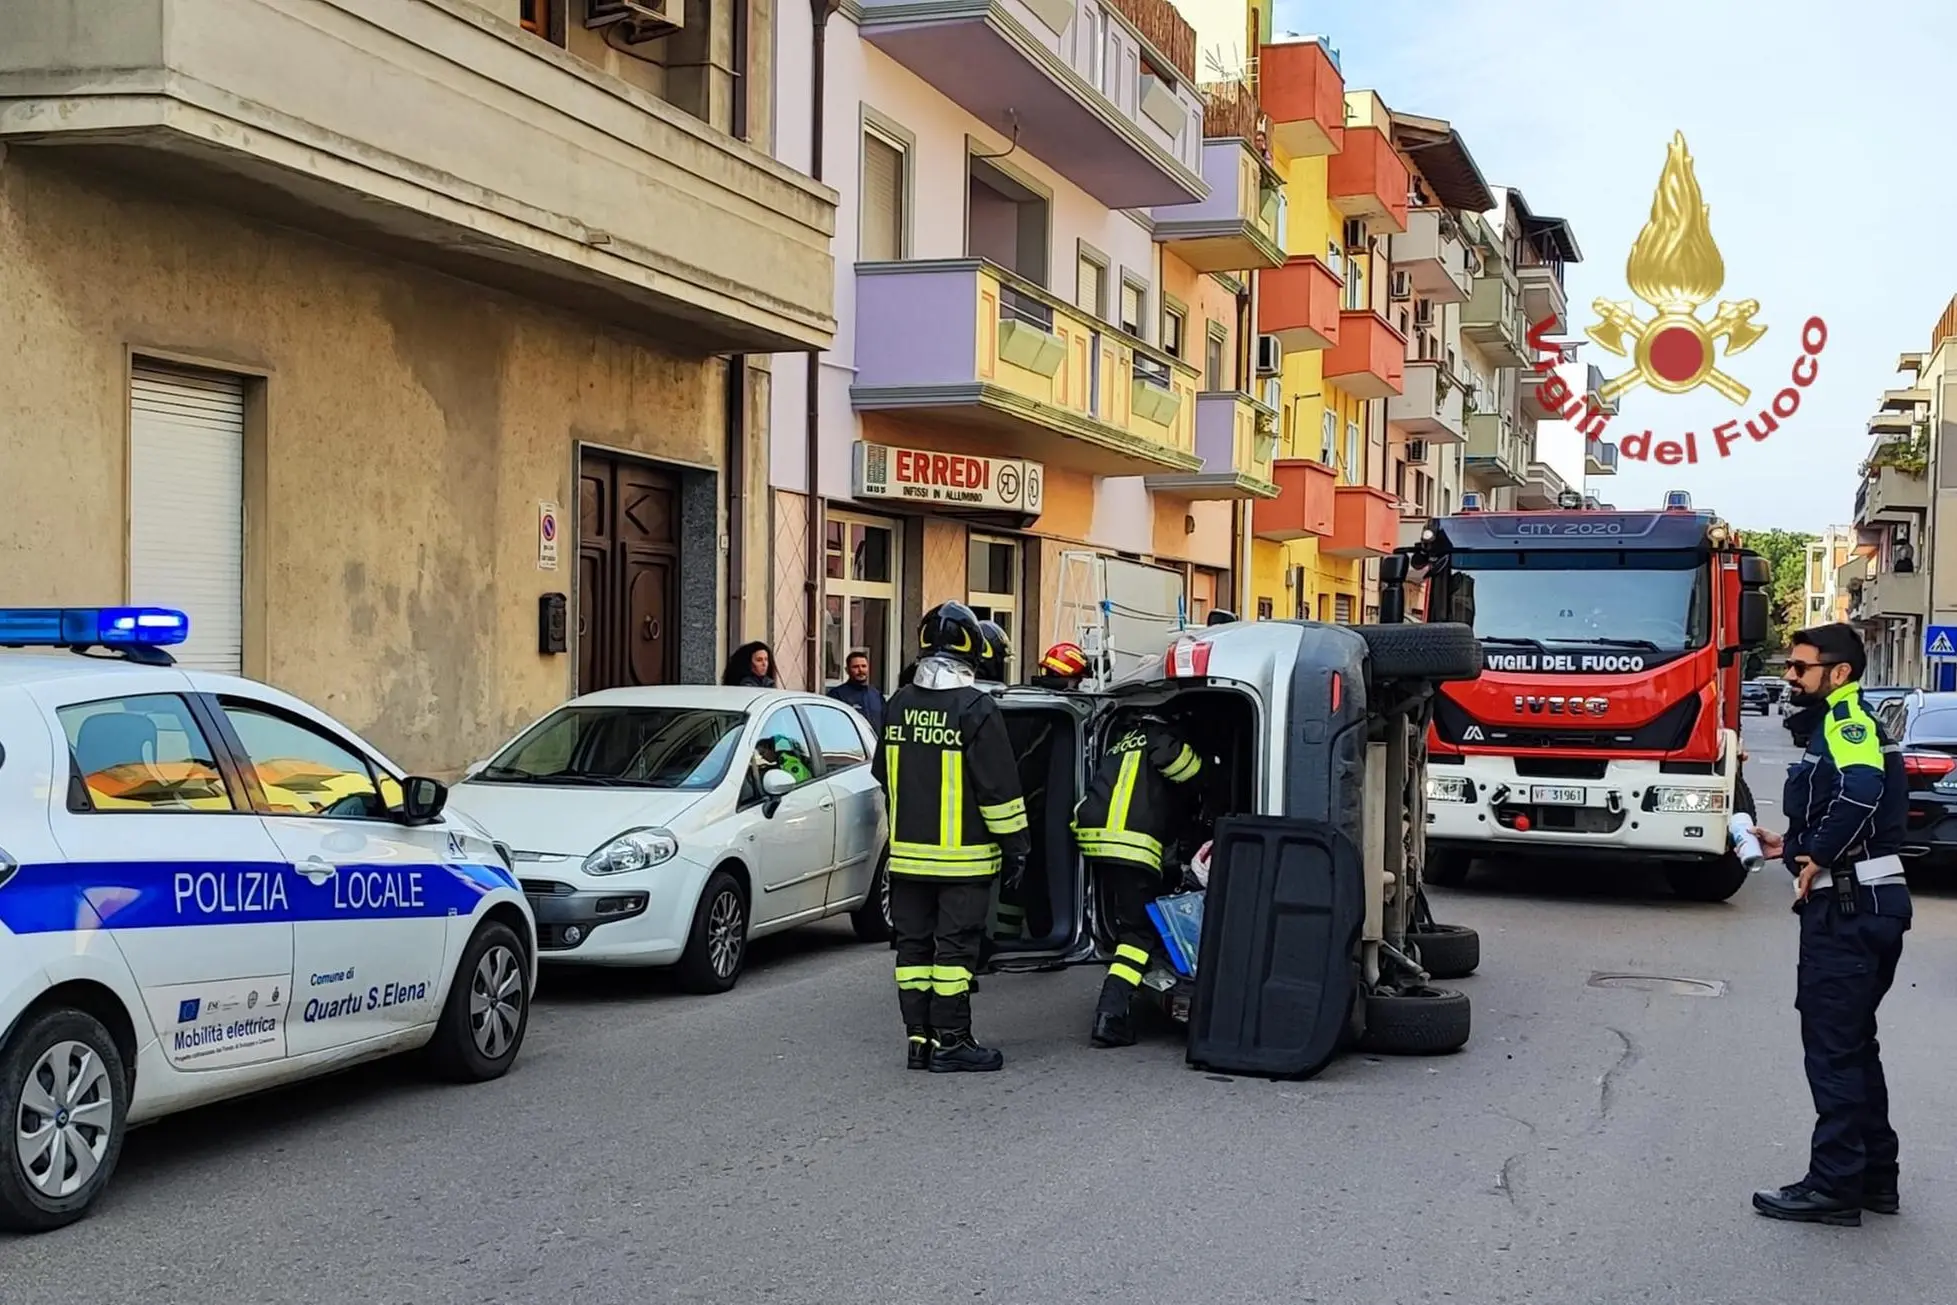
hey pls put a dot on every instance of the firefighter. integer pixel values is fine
(998, 653)
(1006, 919)
(1121, 825)
(957, 819)
(1063, 666)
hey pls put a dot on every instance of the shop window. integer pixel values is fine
(860, 602)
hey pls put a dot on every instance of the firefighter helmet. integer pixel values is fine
(998, 652)
(952, 630)
(1065, 660)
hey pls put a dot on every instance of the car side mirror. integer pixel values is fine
(1753, 619)
(777, 783)
(422, 800)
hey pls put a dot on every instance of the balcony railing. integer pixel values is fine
(964, 339)
(1891, 494)
(1165, 29)
(1236, 438)
(1366, 523)
(1367, 179)
(1306, 503)
(1895, 595)
(1492, 319)
(1299, 304)
(1230, 109)
(1600, 458)
(1495, 453)
(1433, 255)
(1237, 228)
(1430, 404)
(1369, 361)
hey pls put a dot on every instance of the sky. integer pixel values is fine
(1816, 131)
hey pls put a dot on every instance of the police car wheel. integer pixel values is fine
(716, 947)
(64, 1092)
(1419, 1022)
(488, 1009)
(872, 919)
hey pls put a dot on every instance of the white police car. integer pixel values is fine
(208, 888)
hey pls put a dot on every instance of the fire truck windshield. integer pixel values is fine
(1655, 601)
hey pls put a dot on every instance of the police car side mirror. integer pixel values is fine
(776, 783)
(422, 800)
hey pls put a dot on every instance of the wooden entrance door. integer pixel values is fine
(628, 573)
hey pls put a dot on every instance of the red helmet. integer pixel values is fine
(1065, 660)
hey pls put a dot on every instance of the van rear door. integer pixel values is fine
(1052, 736)
(1277, 985)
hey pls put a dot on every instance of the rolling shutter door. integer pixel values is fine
(186, 507)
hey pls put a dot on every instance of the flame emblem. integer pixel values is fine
(1675, 267)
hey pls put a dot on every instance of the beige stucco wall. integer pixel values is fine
(411, 424)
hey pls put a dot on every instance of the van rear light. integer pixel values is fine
(1928, 763)
(1189, 660)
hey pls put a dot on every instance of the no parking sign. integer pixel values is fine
(546, 536)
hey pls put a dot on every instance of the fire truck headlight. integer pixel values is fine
(1450, 788)
(1688, 801)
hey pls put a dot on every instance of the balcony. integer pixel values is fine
(1541, 488)
(1366, 523)
(1599, 458)
(1236, 228)
(1304, 95)
(429, 130)
(1852, 572)
(1433, 255)
(1370, 358)
(1593, 386)
(1894, 595)
(1366, 179)
(1904, 400)
(1542, 295)
(1236, 438)
(1130, 139)
(1892, 423)
(1491, 321)
(961, 342)
(1893, 495)
(1299, 304)
(1306, 506)
(1430, 404)
(1495, 454)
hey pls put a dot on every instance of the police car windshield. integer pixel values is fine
(621, 747)
(1646, 601)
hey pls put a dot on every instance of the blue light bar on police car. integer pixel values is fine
(89, 627)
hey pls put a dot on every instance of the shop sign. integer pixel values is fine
(953, 480)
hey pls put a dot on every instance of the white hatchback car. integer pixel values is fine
(669, 825)
(208, 888)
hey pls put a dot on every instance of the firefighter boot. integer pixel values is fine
(918, 1055)
(957, 1052)
(1114, 1022)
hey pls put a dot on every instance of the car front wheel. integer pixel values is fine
(716, 948)
(64, 1092)
(488, 1009)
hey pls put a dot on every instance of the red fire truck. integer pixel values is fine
(1606, 718)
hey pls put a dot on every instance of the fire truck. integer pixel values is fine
(1606, 717)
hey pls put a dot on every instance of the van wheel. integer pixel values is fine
(1446, 869)
(716, 947)
(872, 919)
(64, 1096)
(1438, 652)
(1446, 951)
(488, 1009)
(1417, 1022)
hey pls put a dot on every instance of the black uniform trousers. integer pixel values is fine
(1126, 889)
(1847, 963)
(940, 923)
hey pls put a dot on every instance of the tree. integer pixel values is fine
(1787, 557)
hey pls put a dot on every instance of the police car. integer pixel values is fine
(208, 888)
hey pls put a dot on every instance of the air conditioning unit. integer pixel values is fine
(637, 20)
(1403, 285)
(1270, 355)
(1416, 450)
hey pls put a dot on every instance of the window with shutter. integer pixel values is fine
(1172, 328)
(1342, 609)
(1131, 308)
(1089, 297)
(882, 236)
(1328, 443)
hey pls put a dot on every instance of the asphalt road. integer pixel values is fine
(1590, 1145)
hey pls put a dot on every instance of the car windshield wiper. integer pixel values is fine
(568, 777)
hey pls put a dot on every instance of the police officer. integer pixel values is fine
(1120, 825)
(1846, 802)
(957, 818)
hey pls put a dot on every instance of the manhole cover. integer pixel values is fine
(1661, 983)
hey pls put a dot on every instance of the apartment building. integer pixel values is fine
(1569, 452)
(1038, 400)
(389, 338)
(1825, 601)
(1907, 482)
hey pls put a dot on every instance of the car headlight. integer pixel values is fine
(1688, 801)
(1450, 788)
(635, 849)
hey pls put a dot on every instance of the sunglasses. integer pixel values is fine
(1802, 668)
